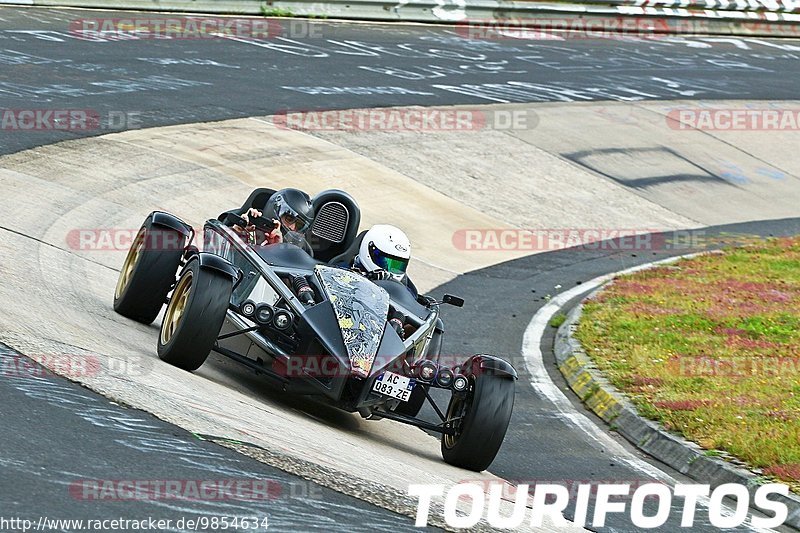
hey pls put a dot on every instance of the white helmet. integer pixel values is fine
(385, 247)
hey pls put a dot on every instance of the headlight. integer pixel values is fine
(445, 377)
(264, 314)
(460, 383)
(283, 319)
(427, 370)
(248, 309)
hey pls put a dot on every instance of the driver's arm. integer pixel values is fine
(233, 219)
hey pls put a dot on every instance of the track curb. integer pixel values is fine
(604, 400)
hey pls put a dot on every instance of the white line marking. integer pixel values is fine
(541, 382)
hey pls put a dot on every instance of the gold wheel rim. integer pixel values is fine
(454, 410)
(129, 265)
(176, 307)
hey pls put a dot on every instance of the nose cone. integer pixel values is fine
(361, 308)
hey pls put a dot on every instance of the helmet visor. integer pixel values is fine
(291, 219)
(392, 264)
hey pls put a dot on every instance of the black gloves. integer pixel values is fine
(378, 275)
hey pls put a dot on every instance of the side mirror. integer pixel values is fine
(453, 300)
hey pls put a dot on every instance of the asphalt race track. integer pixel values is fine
(352, 65)
(78, 434)
(81, 437)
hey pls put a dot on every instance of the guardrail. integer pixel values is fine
(773, 18)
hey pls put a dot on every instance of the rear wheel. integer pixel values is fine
(481, 418)
(148, 273)
(194, 316)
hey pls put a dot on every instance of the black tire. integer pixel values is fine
(194, 316)
(148, 272)
(487, 410)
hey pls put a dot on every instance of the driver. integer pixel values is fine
(384, 253)
(289, 209)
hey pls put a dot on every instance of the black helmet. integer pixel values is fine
(292, 207)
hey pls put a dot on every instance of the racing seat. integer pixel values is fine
(258, 199)
(336, 220)
(347, 257)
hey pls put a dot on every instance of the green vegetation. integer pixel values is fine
(557, 320)
(710, 347)
(270, 11)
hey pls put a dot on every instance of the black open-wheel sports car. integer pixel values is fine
(240, 300)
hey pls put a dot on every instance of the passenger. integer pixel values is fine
(290, 210)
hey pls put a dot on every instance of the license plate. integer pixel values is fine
(394, 385)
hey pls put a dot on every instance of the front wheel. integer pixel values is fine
(194, 316)
(480, 417)
(148, 272)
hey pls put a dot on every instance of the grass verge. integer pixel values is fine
(710, 348)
